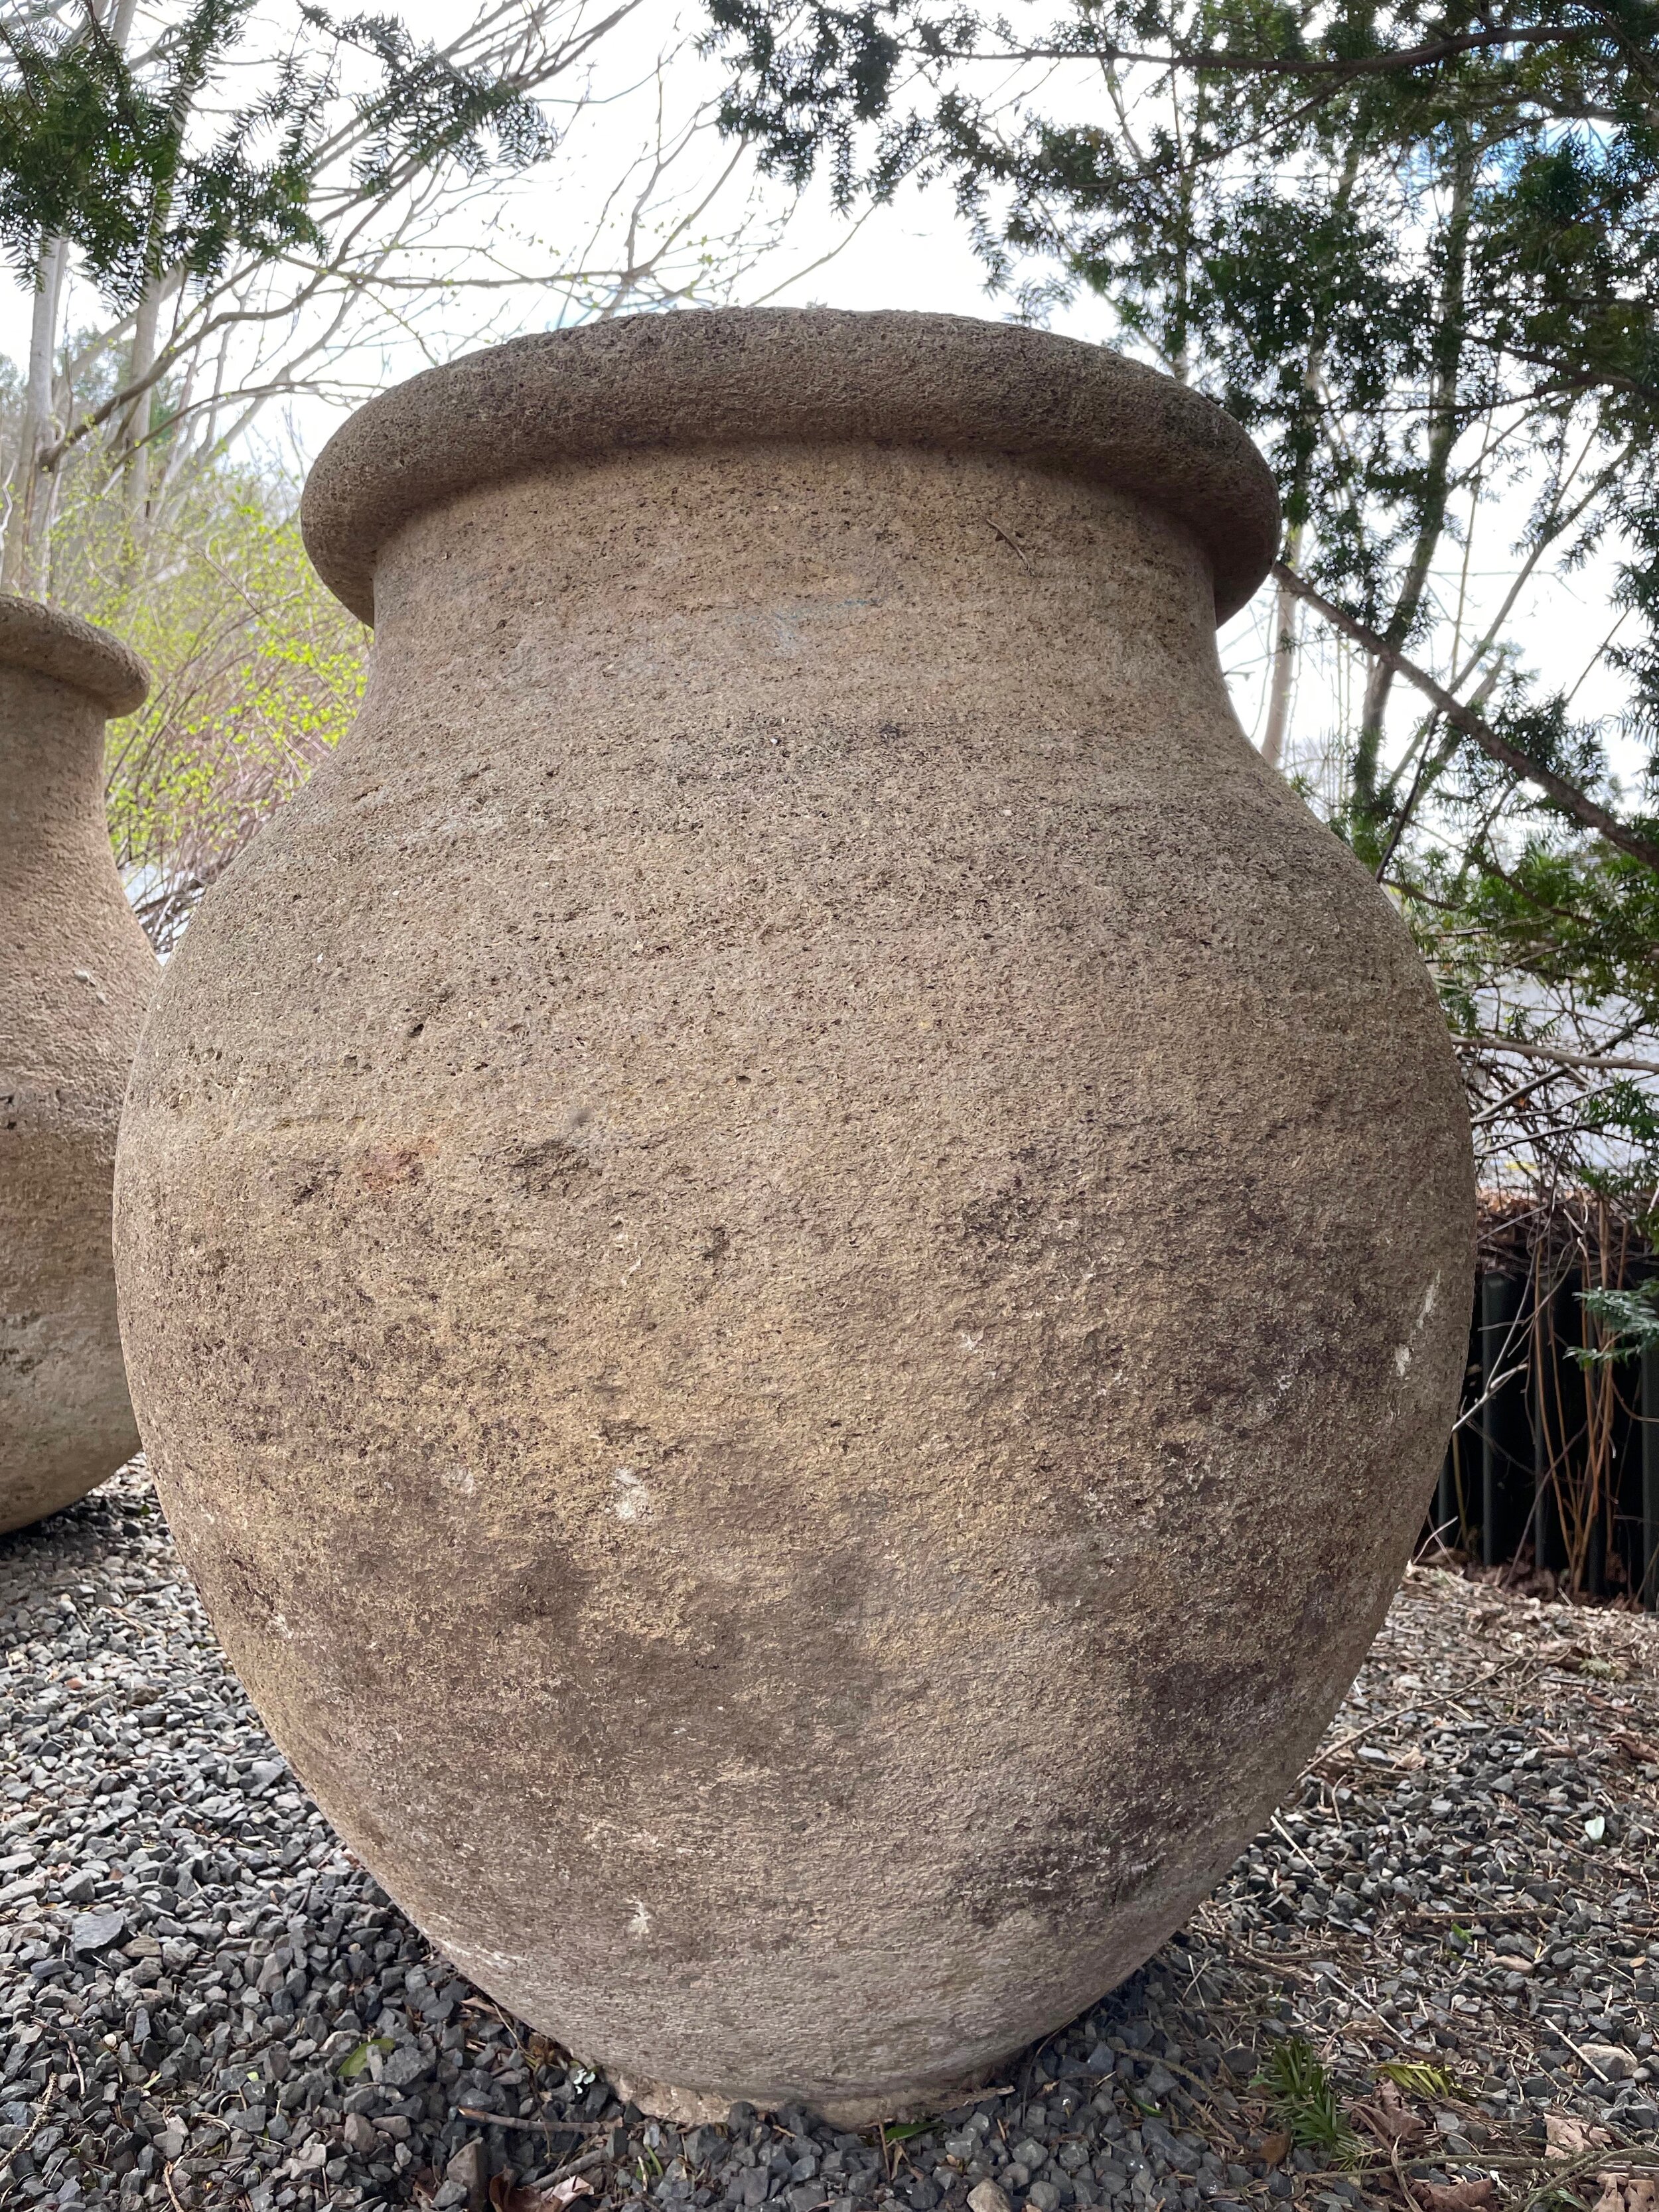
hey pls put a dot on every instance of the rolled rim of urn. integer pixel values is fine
(710, 377)
(49, 642)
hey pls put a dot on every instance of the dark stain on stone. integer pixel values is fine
(391, 1167)
(548, 1168)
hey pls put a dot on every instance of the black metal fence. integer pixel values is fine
(1553, 1469)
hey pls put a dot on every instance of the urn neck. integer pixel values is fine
(807, 584)
(52, 772)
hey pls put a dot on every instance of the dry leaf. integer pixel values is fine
(1390, 2117)
(505, 2194)
(1625, 2192)
(1274, 2149)
(1570, 2138)
(1455, 2196)
(1637, 1749)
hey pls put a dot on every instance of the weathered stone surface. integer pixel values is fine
(795, 1252)
(76, 972)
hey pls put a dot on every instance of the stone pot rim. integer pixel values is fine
(46, 641)
(727, 376)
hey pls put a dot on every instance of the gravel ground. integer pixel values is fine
(1430, 1983)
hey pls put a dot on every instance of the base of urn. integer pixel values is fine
(665, 2100)
(32, 1493)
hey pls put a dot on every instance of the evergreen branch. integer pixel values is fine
(1224, 60)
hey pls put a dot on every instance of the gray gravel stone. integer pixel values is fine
(95, 1931)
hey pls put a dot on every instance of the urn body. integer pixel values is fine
(795, 1250)
(76, 973)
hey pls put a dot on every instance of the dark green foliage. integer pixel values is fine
(1483, 220)
(426, 110)
(104, 154)
(1393, 219)
(1629, 1320)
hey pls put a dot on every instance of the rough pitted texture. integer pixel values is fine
(50, 643)
(947, 383)
(795, 1254)
(76, 973)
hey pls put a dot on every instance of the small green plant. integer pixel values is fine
(1559, 2199)
(1419, 2077)
(1306, 2101)
(355, 2061)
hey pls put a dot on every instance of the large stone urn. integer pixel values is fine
(76, 973)
(795, 1253)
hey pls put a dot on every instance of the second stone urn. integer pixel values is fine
(76, 974)
(795, 1253)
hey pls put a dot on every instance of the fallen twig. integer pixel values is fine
(532, 2127)
(33, 2128)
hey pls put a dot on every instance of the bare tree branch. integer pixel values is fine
(1225, 60)
(1557, 1056)
(1567, 796)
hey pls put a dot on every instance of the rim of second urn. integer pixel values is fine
(710, 377)
(46, 641)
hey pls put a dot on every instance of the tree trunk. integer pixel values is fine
(1287, 611)
(1284, 627)
(134, 434)
(20, 559)
(1372, 798)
